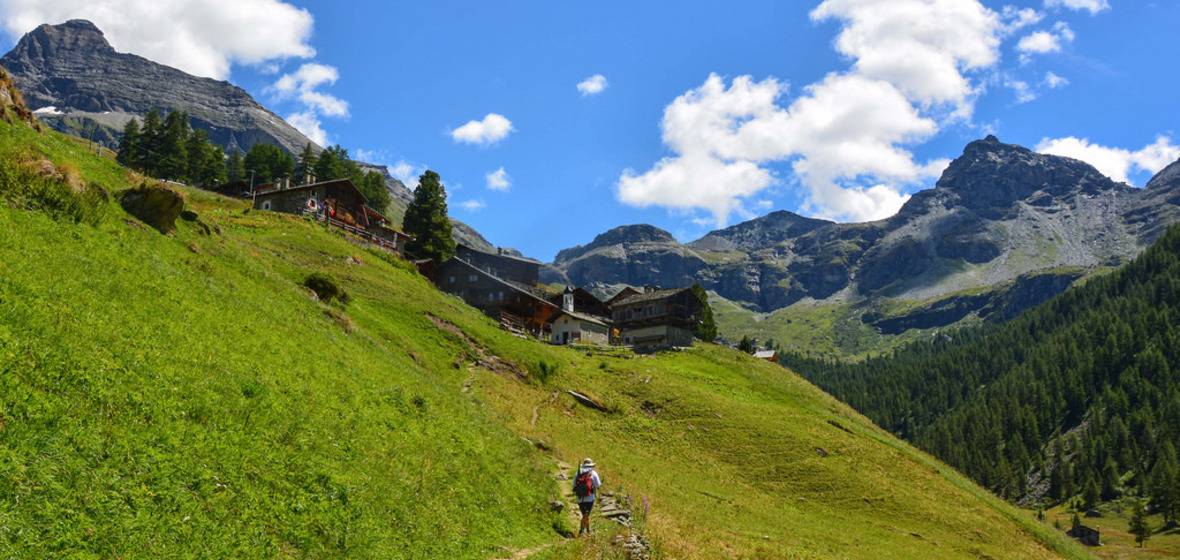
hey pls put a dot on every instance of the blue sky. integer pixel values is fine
(702, 114)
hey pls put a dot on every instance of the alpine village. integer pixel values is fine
(222, 339)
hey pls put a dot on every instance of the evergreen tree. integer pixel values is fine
(151, 143)
(174, 147)
(333, 163)
(426, 220)
(1090, 493)
(206, 162)
(746, 345)
(129, 145)
(706, 329)
(1165, 484)
(306, 162)
(235, 170)
(372, 185)
(269, 162)
(1139, 525)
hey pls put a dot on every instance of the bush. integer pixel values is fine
(53, 195)
(326, 288)
(543, 371)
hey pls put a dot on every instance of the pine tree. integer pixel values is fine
(1139, 526)
(306, 162)
(206, 162)
(746, 345)
(269, 162)
(150, 144)
(129, 145)
(174, 147)
(234, 169)
(372, 185)
(426, 220)
(706, 329)
(333, 163)
(1165, 483)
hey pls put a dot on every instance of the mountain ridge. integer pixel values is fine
(998, 216)
(72, 68)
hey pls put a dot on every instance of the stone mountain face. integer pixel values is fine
(1001, 215)
(73, 69)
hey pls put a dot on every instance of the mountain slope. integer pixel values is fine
(999, 219)
(1098, 364)
(184, 395)
(55, 66)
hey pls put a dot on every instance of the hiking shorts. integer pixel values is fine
(586, 507)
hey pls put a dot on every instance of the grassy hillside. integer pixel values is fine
(185, 396)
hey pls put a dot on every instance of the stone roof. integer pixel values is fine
(582, 317)
(655, 295)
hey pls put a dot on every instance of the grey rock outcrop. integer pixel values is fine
(156, 206)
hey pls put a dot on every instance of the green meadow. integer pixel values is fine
(185, 396)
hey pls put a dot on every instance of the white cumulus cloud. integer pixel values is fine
(407, 172)
(490, 130)
(1016, 19)
(1043, 42)
(201, 37)
(845, 137)
(1053, 81)
(1116, 163)
(303, 85)
(309, 124)
(919, 46)
(472, 205)
(592, 85)
(1093, 6)
(499, 180)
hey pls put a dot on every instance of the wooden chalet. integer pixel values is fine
(519, 307)
(768, 355)
(506, 267)
(337, 202)
(655, 318)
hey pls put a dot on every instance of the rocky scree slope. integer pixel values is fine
(999, 215)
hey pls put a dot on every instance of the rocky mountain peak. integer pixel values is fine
(622, 235)
(759, 233)
(72, 67)
(1168, 176)
(50, 41)
(992, 174)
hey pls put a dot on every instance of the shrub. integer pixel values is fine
(53, 194)
(543, 371)
(326, 288)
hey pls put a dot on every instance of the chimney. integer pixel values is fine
(309, 176)
(567, 300)
(285, 181)
(647, 289)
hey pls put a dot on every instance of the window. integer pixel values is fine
(473, 278)
(452, 280)
(266, 205)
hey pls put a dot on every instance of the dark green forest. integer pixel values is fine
(1076, 399)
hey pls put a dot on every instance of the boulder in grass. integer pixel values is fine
(156, 206)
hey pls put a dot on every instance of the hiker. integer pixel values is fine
(586, 483)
